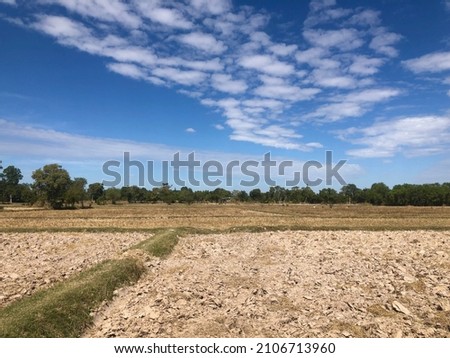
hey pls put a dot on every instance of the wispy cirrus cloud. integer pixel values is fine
(354, 104)
(112, 11)
(410, 136)
(223, 56)
(434, 64)
(8, 2)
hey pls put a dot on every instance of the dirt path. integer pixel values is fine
(29, 261)
(290, 284)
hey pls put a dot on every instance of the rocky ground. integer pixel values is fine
(290, 284)
(29, 261)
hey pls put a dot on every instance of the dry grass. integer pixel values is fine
(227, 216)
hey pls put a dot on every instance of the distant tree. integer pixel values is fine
(219, 195)
(242, 196)
(349, 191)
(328, 196)
(277, 194)
(27, 195)
(113, 195)
(76, 192)
(12, 175)
(256, 195)
(379, 194)
(51, 184)
(95, 192)
(309, 196)
(9, 184)
(166, 194)
(295, 195)
(186, 195)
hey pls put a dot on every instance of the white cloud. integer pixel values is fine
(343, 39)
(61, 27)
(206, 65)
(8, 2)
(127, 69)
(383, 42)
(363, 65)
(31, 141)
(411, 136)
(365, 17)
(433, 62)
(203, 41)
(263, 103)
(332, 78)
(354, 104)
(168, 17)
(229, 52)
(190, 130)
(283, 49)
(182, 77)
(105, 10)
(325, 16)
(225, 83)
(286, 92)
(317, 5)
(266, 64)
(215, 7)
(219, 127)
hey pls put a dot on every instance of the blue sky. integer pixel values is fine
(82, 81)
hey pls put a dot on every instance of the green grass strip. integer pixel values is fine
(64, 309)
(161, 244)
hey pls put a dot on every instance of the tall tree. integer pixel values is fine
(95, 191)
(76, 192)
(349, 191)
(51, 184)
(9, 183)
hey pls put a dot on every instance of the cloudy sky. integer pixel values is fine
(82, 81)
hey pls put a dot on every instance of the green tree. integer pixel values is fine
(112, 194)
(379, 194)
(256, 195)
(9, 184)
(309, 196)
(95, 192)
(51, 184)
(242, 196)
(76, 192)
(349, 191)
(186, 195)
(328, 196)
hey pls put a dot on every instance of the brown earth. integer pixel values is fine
(30, 261)
(214, 216)
(290, 284)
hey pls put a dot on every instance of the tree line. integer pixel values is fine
(53, 186)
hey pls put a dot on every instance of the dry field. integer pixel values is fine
(226, 216)
(340, 272)
(32, 261)
(290, 284)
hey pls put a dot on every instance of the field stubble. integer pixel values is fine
(226, 216)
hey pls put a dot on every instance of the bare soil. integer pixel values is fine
(290, 284)
(30, 261)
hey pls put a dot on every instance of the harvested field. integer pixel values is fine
(31, 261)
(290, 284)
(226, 216)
